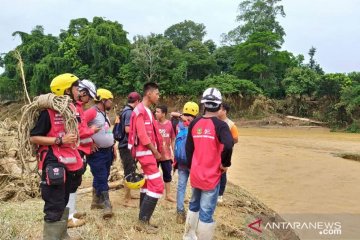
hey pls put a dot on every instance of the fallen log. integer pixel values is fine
(112, 185)
(305, 120)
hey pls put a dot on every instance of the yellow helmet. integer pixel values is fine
(62, 82)
(191, 108)
(134, 180)
(103, 94)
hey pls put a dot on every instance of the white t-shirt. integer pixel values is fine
(149, 113)
(104, 137)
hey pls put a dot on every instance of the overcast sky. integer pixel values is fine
(332, 26)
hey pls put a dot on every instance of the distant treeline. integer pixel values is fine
(249, 62)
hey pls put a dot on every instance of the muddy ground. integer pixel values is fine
(287, 165)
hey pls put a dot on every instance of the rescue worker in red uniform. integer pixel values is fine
(208, 150)
(87, 91)
(145, 145)
(60, 161)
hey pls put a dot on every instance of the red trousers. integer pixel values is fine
(154, 186)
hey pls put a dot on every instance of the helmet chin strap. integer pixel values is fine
(70, 94)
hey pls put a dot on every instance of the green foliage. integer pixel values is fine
(184, 32)
(230, 84)
(259, 60)
(354, 76)
(257, 16)
(200, 62)
(331, 85)
(225, 57)
(312, 63)
(350, 100)
(301, 82)
(182, 63)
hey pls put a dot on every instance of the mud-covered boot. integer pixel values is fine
(64, 220)
(192, 220)
(205, 231)
(146, 210)
(107, 213)
(54, 230)
(97, 202)
(180, 217)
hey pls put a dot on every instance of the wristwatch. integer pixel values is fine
(58, 141)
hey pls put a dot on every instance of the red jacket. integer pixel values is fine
(84, 131)
(66, 154)
(137, 143)
(209, 144)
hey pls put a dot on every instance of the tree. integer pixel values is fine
(231, 85)
(184, 32)
(200, 63)
(301, 82)
(210, 44)
(258, 60)
(257, 16)
(33, 48)
(331, 85)
(312, 63)
(354, 76)
(225, 57)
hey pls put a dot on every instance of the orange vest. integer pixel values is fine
(65, 153)
(152, 130)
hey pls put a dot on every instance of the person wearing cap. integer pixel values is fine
(208, 151)
(87, 91)
(102, 153)
(128, 162)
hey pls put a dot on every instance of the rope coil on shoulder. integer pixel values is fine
(30, 114)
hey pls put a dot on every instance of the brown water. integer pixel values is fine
(293, 170)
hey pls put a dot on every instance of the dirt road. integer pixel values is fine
(294, 170)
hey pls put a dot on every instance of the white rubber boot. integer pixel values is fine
(71, 205)
(192, 219)
(205, 231)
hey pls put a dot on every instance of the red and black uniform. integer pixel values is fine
(214, 144)
(51, 124)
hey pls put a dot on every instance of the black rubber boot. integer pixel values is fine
(142, 195)
(107, 205)
(146, 210)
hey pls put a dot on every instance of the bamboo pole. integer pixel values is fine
(21, 66)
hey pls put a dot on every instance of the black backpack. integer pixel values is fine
(119, 128)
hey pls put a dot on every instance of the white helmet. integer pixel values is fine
(211, 98)
(89, 85)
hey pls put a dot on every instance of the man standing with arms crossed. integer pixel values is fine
(145, 145)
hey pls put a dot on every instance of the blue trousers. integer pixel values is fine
(100, 163)
(183, 173)
(204, 202)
